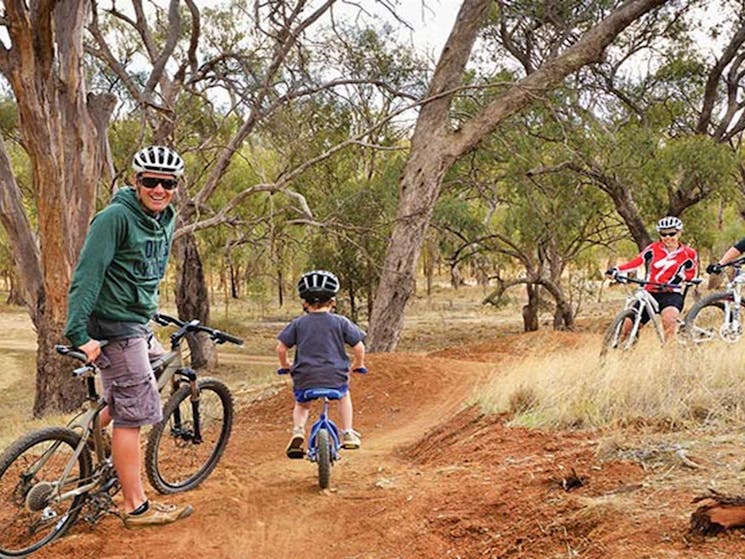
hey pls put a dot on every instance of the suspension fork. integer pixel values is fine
(635, 325)
(734, 312)
(637, 305)
(194, 398)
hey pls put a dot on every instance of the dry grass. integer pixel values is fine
(672, 388)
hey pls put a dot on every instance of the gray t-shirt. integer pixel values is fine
(321, 359)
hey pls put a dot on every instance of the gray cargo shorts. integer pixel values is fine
(129, 386)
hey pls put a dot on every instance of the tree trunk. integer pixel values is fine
(718, 512)
(192, 299)
(434, 148)
(530, 310)
(420, 183)
(61, 124)
(420, 187)
(56, 389)
(15, 297)
(280, 288)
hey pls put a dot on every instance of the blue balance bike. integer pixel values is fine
(324, 442)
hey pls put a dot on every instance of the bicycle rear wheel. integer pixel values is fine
(176, 459)
(323, 455)
(707, 319)
(30, 472)
(614, 336)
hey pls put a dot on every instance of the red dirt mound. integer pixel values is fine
(433, 479)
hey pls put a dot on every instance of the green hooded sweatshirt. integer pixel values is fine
(120, 267)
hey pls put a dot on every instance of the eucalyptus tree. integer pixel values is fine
(535, 227)
(62, 130)
(662, 137)
(351, 194)
(579, 32)
(277, 62)
(261, 75)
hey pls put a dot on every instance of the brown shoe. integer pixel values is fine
(157, 514)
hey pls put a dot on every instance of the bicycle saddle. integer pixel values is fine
(330, 393)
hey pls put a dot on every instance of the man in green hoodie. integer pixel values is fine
(113, 295)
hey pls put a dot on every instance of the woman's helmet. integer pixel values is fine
(158, 159)
(318, 286)
(669, 222)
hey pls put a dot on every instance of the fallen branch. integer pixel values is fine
(717, 513)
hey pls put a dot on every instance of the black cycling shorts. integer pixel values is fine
(665, 299)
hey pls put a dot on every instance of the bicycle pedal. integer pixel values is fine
(295, 453)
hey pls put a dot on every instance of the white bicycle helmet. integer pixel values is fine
(669, 222)
(318, 285)
(158, 159)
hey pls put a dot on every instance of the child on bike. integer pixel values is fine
(668, 262)
(321, 361)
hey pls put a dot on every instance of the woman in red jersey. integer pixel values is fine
(668, 263)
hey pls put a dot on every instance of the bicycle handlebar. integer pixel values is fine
(360, 370)
(736, 263)
(684, 283)
(194, 326)
(71, 351)
(75, 353)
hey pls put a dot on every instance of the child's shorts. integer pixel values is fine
(300, 393)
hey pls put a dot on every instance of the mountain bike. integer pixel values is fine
(718, 316)
(48, 477)
(638, 301)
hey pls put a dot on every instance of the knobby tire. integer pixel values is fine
(705, 319)
(612, 339)
(23, 531)
(323, 449)
(174, 462)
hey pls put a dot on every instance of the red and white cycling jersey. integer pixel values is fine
(665, 267)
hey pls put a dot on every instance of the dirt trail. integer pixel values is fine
(434, 479)
(259, 504)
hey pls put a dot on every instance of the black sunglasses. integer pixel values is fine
(668, 233)
(152, 182)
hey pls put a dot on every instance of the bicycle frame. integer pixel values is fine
(639, 301)
(732, 310)
(167, 368)
(324, 422)
(86, 423)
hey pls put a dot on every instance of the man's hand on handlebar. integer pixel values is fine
(92, 348)
(714, 268)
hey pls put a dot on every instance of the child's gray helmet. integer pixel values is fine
(318, 285)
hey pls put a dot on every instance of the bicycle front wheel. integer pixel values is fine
(31, 480)
(711, 318)
(323, 454)
(615, 338)
(179, 458)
